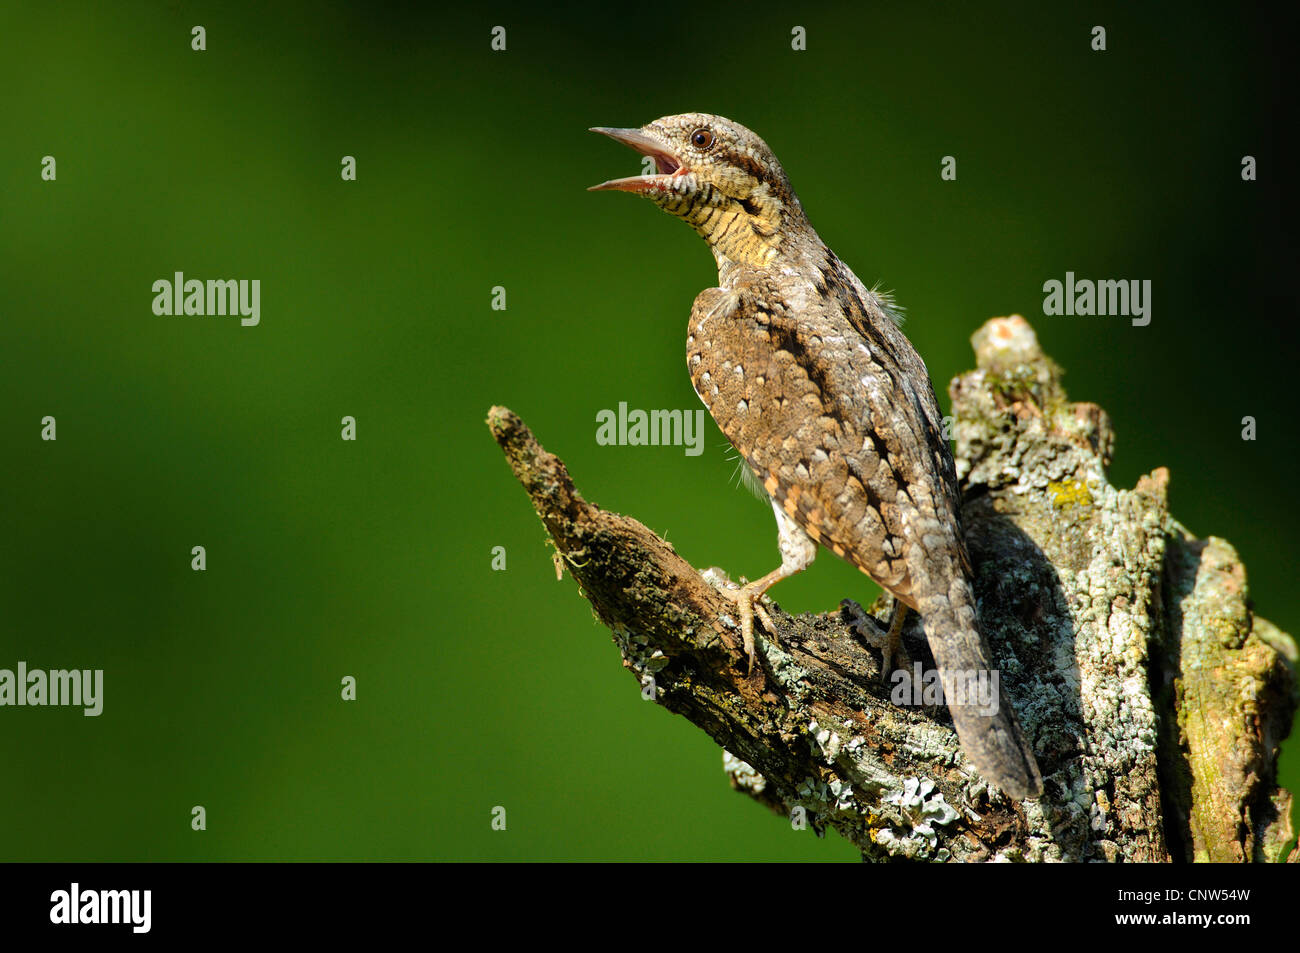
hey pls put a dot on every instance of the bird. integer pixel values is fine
(810, 377)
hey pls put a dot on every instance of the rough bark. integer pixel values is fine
(1155, 699)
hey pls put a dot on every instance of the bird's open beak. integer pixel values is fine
(666, 164)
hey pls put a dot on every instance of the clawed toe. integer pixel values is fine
(747, 605)
(888, 640)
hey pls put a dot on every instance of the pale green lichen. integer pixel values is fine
(921, 808)
(743, 774)
(828, 742)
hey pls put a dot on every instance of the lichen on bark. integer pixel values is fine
(1153, 696)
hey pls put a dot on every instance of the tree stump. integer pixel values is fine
(1154, 698)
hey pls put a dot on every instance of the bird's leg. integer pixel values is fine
(798, 550)
(747, 604)
(889, 642)
(892, 650)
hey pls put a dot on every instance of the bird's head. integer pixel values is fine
(718, 176)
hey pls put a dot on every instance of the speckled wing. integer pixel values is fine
(832, 408)
(827, 417)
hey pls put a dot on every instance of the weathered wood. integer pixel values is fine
(1154, 699)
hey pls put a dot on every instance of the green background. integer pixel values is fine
(326, 558)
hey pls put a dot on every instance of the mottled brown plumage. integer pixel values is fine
(808, 375)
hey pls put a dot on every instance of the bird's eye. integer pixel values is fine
(702, 138)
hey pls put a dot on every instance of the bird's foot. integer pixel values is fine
(746, 597)
(888, 639)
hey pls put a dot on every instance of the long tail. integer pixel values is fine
(987, 726)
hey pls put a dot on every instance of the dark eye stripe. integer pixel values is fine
(748, 163)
